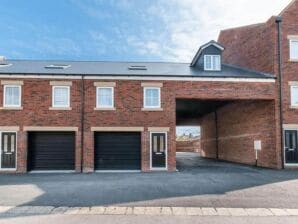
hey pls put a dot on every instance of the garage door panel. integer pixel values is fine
(117, 150)
(51, 150)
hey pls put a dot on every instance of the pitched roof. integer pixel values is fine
(100, 68)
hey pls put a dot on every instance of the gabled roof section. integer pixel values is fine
(199, 52)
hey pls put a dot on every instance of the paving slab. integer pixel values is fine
(209, 211)
(19, 210)
(258, 212)
(4, 209)
(223, 212)
(292, 211)
(97, 210)
(72, 210)
(179, 211)
(279, 212)
(153, 211)
(166, 211)
(139, 210)
(115, 210)
(129, 211)
(237, 212)
(84, 211)
(194, 211)
(59, 210)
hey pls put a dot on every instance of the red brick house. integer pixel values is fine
(256, 47)
(94, 116)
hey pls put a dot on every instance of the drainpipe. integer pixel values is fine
(279, 53)
(82, 119)
(216, 134)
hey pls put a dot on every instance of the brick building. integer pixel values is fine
(256, 47)
(94, 116)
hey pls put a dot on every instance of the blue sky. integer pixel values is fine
(121, 30)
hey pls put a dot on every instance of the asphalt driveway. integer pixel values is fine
(199, 182)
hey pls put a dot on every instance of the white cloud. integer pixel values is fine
(190, 23)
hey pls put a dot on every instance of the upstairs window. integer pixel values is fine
(105, 97)
(294, 96)
(12, 96)
(212, 63)
(294, 49)
(61, 96)
(151, 97)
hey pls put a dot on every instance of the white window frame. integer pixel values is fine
(144, 98)
(166, 151)
(97, 95)
(212, 65)
(16, 152)
(290, 49)
(68, 97)
(20, 96)
(291, 96)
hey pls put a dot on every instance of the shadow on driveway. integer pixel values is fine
(200, 182)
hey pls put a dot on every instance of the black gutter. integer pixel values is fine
(278, 22)
(82, 119)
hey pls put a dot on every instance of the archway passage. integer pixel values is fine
(229, 130)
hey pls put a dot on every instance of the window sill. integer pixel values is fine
(105, 109)
(293, 60)
(11, 108)
(152, 109)
(60, 108)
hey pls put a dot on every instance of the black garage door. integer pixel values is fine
(117, 151)
(51, 151)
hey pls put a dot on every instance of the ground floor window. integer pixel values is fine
(8, 150)
(291, 149)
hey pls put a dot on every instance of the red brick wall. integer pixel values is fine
(188, 146)
(208, 136)
(239, 124)
(250, 46)
(245, 47)
(36, 100)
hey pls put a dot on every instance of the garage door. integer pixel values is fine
(117, 151)
(51, 151)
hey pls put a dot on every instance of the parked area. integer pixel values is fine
(199, 182)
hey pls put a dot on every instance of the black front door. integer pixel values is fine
(158, 150)
(291, 149)
(8, 150)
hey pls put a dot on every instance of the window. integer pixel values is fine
(294, 95)
(294, 49)
(105, 97)
(151, 97)
(61, 96)
(212, 63)
(12, 96)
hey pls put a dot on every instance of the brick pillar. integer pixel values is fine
(88, 154)
(145, 153)
(21, 157)
(171, 149)
(78, 152)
